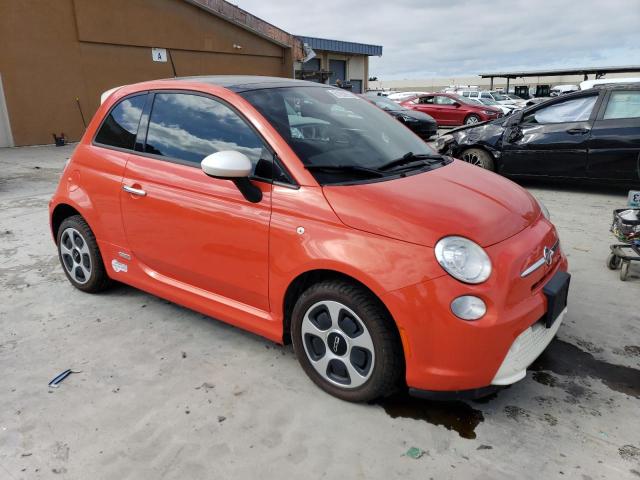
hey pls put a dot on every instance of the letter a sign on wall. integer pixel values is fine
(159, 54)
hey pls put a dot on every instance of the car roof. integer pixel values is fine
(243, 83)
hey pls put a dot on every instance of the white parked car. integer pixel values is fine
(563, 90)
(519, 101)
(592, 83)
(402, 96)
(493, 95)
(506, 109)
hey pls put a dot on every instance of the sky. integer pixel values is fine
(449, 38)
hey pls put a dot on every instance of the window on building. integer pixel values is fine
(121, 126)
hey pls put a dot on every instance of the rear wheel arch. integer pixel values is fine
(61, 212)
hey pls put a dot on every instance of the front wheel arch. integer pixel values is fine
(305, 280)
(493, 161)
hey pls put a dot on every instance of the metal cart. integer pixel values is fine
(626, 228)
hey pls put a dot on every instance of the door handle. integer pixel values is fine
(134, 191)
(575, 131)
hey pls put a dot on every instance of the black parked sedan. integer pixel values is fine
(590, 135)
(420, 123)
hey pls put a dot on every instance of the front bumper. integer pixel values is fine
(425, 131)
(524, 350)
(445, 353)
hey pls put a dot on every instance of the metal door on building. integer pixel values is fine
(338, 71)
(6, 139)
(356, 86)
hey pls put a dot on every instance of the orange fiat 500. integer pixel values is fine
(303, 213)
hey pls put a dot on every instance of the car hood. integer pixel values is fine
(487, 132)
(456, 199)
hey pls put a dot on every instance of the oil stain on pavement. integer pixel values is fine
(455, 415)
(566, 359)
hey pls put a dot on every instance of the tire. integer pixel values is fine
(613, 262)
(346, 342)
(479, 157)
(624, 271)
(472, 119)
(80, 256)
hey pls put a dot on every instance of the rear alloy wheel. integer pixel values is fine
(80, 256)
(479, 158)
(471, 119)
(345, 341)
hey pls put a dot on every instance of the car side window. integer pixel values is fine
(428, 100)
(120, 127)
(625, 104)
(188, 127)
(444, 100)
(574, 110)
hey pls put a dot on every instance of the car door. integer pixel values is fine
(614, 145)
(550, 140)
(184, 228)
(426, 104)
(448, 111)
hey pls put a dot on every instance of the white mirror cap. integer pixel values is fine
(227, 164)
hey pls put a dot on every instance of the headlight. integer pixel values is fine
(489, 112)
(463, 259)
(443, 140)
(545, 210)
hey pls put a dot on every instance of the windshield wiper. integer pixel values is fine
(352, 168)
(410, 157)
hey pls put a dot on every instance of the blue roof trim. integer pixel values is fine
(341, 47)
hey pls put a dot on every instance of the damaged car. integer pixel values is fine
(588, 135)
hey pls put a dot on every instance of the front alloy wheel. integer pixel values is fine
(337, 344)
(479, 158)
(346, 342)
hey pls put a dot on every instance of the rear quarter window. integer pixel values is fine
(120, 127)
(624, 104)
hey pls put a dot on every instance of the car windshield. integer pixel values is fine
(340, 137)
(385, 103)
(498, 97)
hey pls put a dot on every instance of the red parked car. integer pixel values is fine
(451, 109)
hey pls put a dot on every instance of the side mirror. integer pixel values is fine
(235, 166)
(456, 104)
(227, 164)
(515, 134)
